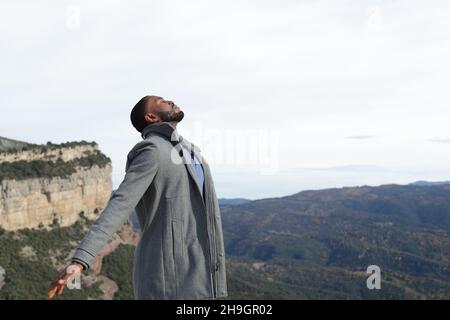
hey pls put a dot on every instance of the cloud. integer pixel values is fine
(440, 139)
(315, 71)
(353, 168)
(361, 137)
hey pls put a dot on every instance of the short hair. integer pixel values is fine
(138, 114)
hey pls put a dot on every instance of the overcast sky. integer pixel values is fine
(280, 96)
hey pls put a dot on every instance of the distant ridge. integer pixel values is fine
(429, 183)
(232, 201)
(8, 144)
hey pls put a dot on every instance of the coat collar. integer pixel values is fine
(170, 133)
(164, 129)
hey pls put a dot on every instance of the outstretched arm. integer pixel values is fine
(139, 175)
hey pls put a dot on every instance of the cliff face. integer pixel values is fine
(38, 200)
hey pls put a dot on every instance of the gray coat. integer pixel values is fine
(180, 254)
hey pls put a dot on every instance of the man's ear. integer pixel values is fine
(151, 118)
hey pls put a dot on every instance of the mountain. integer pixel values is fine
(53, 183)
(309, 245)
(428, 183)
(318, 244)
(232, 201)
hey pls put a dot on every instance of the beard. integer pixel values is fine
(170, 116)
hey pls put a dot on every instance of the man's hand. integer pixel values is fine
(57, 286)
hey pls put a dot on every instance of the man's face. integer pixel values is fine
(161, 110)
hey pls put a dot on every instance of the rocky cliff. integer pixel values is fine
(52, 184)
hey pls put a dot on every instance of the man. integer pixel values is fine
(180, 254)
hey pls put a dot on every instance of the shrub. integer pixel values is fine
(22, 169)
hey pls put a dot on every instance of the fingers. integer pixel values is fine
(51, 292)
(57, 286)
(56, 289)
(61, 289)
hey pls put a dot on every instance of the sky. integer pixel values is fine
(280, 96)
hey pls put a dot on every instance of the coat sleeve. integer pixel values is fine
(139, 175)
